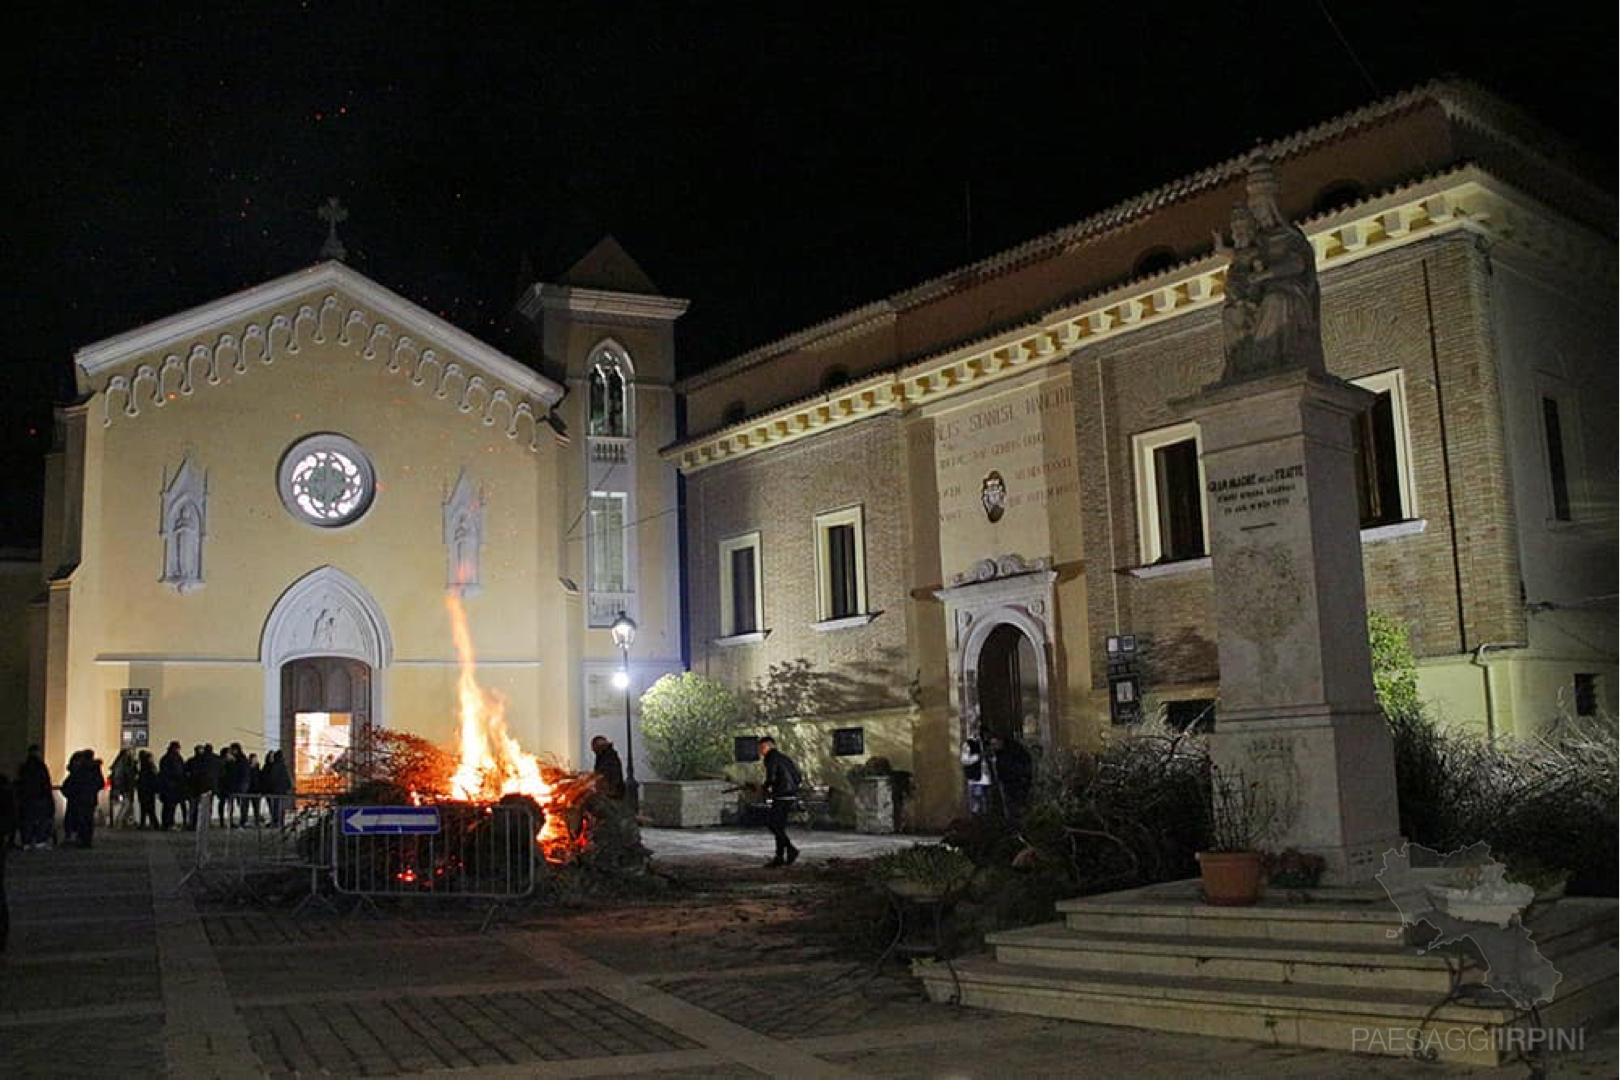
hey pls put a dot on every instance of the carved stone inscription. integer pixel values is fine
(1257, 495)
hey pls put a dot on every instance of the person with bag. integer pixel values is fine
(782, 781)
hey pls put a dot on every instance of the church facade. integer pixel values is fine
(260, 509)
(974, 506)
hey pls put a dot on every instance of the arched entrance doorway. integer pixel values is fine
(1009, 685)
(325, 712)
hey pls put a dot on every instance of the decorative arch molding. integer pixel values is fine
(279, 336)
(324, 613)
(1004, 591)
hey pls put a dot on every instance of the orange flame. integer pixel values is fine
(491, 763)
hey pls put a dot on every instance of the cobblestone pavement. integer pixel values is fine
(115, 968)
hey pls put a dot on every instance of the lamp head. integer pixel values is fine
(624, 631)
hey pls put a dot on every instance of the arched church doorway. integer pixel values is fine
(1009, 685)
(325, 712)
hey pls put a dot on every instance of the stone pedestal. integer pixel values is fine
(1298, 710)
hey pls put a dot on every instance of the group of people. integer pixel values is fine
(239, 783)
(998, 778)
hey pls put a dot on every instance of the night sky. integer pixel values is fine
(774, 164)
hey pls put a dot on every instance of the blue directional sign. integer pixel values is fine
(378, 820)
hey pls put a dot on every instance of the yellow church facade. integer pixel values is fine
(259, 510)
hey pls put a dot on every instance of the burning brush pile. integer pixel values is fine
(488, 767)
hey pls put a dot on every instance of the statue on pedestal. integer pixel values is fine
(1272, 314)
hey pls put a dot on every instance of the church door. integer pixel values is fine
(325, 712)
(1009, 685)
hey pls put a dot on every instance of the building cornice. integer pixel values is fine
(599, 303)
(92, 360)
(1463, 199)
(852, 324)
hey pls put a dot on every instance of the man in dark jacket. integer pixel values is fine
(608, 767)
(194, 785)
(782, 780)
(81, 788)
(278, 784)
(172, 783)
(35, 803)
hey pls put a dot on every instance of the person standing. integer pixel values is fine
(173, 785)
(608, 767)
(146, 789)
(255, 788)
(217, 768)
(976, 773)
(121, 803)
(1014, 772)
(8, 824)
(82, 788)
(236, 786)
(35, 803)
(782, 780)
(194, 785)
(278, 785)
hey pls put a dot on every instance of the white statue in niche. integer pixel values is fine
(183, 525)
(464, 536)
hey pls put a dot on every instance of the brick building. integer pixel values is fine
(933, 514)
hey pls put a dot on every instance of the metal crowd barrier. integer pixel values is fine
(292, 833)
(452, 851)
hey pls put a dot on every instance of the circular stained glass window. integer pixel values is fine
(326, 480)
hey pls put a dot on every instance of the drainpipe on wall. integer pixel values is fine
(1479, 662)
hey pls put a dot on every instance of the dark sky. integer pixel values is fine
(775, 164)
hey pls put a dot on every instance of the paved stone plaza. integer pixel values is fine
(114, 969)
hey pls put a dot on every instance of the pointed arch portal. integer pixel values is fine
(327, 623)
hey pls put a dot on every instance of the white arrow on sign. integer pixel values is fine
(423, 819)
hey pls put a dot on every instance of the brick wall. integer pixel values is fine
(1422, 310)
(779, 494)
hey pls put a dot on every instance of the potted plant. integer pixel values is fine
(688, 722)
(1244, 816)
(923, 871)
(879, 789)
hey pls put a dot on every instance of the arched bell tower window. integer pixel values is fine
(609, 377)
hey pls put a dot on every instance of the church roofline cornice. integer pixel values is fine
(599, 302)
(1465, 198)
(1462, 101)
(94, 359)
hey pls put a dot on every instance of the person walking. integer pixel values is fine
(82, 788)
(608, 767)
(121, 803)
(35, 803)
(173, 785)
(782, 780)
(146, 789)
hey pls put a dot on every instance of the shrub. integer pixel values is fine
(1394, 665)
(689, 722)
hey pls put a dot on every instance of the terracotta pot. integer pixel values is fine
(1231, 878)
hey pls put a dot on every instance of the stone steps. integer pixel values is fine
(1321, 971)
(1399, 966)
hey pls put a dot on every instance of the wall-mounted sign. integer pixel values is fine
(1125, 698)
(135, 718)
(849, 742)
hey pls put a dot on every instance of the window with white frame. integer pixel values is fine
(607, 548)
(840, 564)
(609, 394)
(1171, 517)
(1383, 453)
(741, 608)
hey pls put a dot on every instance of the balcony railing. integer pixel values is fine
(608, 450)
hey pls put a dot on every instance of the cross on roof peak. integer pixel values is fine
(334, 213)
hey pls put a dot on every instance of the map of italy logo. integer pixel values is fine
(1466, 896)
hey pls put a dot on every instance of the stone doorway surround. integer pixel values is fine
(325, 613)
(1008, 590)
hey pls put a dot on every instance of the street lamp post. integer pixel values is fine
(624, 635)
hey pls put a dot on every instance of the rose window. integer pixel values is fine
(326, 480)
